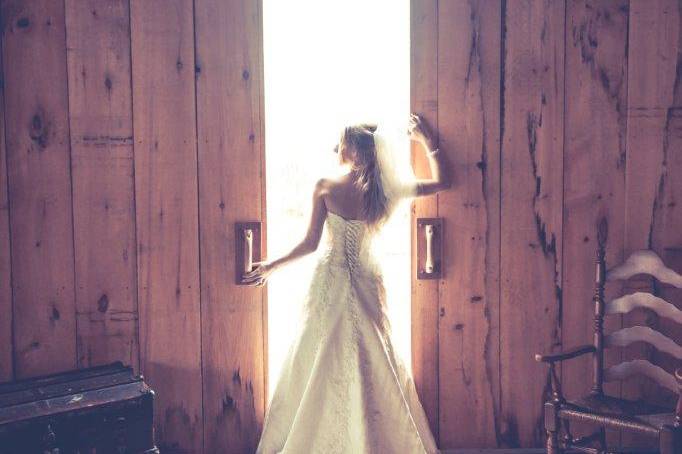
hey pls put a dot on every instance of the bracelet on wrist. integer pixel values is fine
(433, 152)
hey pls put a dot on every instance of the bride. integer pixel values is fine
(342, 387)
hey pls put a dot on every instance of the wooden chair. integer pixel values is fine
(598, 408)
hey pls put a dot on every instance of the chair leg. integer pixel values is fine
(670, 440)
(602, 440)
(553, 442)
(552, 426)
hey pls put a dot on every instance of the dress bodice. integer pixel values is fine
(348, 242)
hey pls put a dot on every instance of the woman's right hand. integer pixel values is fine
(259, 275)
(419, 131)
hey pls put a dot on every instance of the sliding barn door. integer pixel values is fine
(197, 91)
(424, 101)
(455, 72)
(229, 75)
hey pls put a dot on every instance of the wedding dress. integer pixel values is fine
(342, 387)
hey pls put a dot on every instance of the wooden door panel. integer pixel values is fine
(424, 100)
(653, 214)
(101, 124)
(469, 39)
(531, 212)
(37, 139)
(6, 342)
(166, 198)
(231, 189)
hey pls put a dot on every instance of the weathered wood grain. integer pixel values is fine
(646, 118)
(167, 217)
(594, 171)
(425, 298)
(531, 212)
(229, 84)
(622, 106)
(469, 38)
(101, 124)
(6, 342)
(653, 217)
(37, 139)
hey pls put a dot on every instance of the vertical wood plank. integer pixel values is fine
(229, 79)
(531, 223)
(100, 109)
(469, 112)
(424, 101)
(162, 34)
(6, 341)
(37, 139)
(653, 217)
(666, 231)
(594, 170)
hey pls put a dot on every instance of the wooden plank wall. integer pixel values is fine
(425, 293)
(654, 130)
(114, 188)
(101, 124)
(531, 217)
(586, 100)
(168, 215)
(469, 107)
(131, 130)
(39, 186)
(231, 185)
(594, 165)
(6, 345)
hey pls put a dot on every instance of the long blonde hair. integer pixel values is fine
(367, 172)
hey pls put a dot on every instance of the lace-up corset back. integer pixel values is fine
(348, 242)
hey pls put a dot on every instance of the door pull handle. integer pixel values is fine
(248, 249)
(429, 248)
(428, 263)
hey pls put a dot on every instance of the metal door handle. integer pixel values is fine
(429, 248)
(428, 264)
(247, 236)
(248, 250)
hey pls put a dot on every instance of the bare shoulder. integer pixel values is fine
(327, 185)
(323, 186)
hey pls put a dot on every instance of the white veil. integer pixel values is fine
(393, 157)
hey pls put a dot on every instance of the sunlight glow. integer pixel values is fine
(328, 64)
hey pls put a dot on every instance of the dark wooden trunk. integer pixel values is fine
(104, 409)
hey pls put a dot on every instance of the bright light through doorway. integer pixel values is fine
(328, 64)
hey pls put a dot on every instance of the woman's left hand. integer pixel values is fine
(259, 275)
(418, 130)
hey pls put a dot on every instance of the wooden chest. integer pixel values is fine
(104, 409)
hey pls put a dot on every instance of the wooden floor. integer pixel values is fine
(494, 451)
(524, 451)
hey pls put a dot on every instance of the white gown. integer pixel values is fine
(342, 387)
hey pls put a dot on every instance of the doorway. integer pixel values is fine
(328, 64)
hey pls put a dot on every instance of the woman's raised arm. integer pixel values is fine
(440, 176)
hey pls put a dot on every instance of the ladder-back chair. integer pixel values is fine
(598, 408)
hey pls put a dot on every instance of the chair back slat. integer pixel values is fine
(645, 262)
(628, 303)
(627, 336)
(642, 367)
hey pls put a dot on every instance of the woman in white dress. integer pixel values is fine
(342, 387)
